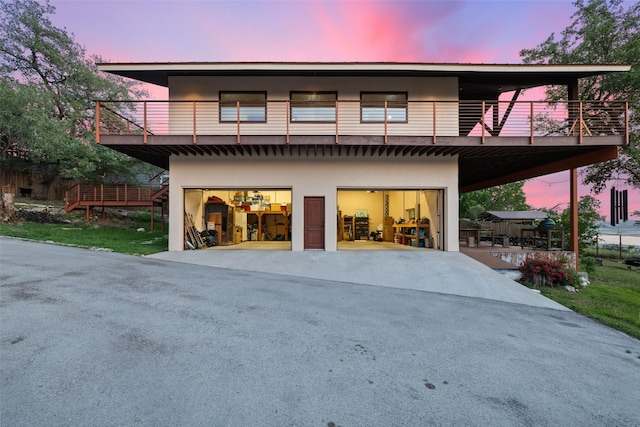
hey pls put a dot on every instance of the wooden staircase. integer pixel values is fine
(85, 196)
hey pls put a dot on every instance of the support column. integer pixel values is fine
(573, 212)
(573, 96)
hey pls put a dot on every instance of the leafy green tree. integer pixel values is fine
(500, 198)
(48, 86)
(602, 32)
(588, 218)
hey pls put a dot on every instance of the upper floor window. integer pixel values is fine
(373, 106)
(313, 106)
(252, 106)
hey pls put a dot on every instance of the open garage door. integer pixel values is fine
(257, 219)
(390, 219)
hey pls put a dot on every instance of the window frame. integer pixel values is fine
(246, 104)
(405, 104)
(320, 104)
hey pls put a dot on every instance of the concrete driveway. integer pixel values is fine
(100, 339)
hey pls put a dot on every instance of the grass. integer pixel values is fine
(118, 235)
(613, 298)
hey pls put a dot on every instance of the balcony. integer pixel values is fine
(484, 134)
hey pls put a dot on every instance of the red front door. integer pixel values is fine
(314, 223)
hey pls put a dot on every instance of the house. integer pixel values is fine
(317, 154)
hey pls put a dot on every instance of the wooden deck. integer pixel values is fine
(84, 196)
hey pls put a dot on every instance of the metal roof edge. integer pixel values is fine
(357, 66)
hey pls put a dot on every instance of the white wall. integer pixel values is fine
(420, 114)
(314, 176)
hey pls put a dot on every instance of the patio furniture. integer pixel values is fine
(542, 239)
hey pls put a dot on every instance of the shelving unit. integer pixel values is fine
(361, 228)
(412, 234)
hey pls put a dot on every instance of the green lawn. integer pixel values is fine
(613, 298)
(120, 236)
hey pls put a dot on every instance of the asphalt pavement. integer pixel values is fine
(91, 338)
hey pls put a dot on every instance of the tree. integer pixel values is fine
(588, 218)
(604, 32)
(48, 85)
(502, 197)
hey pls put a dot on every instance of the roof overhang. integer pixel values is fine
(475, 80)
(513, 215)
(478, 166)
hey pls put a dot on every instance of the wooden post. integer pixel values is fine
(626, 122)
(337, 138)
(580, 122)
(531, 124)
(434, 122)
(152, 228)
(573, 212)
(385, 121)
(482, 121)
(144, 123)
(288, 105)
(98, 122)
(238, 120)
(194, 122)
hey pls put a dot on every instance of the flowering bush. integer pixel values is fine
(540, 271)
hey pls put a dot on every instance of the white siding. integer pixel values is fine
(421, 94)
(313, 176)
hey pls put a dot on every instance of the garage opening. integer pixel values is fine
(232, 218)
(390, 219)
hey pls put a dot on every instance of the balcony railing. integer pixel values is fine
(484, 119)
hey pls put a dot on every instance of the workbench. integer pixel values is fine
(263, 220)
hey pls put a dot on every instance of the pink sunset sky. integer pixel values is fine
(472, 31)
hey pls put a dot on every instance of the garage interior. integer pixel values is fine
(367, 219)
(390, 219)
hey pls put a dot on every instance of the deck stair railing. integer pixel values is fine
(86, 196)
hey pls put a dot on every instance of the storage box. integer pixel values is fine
(275, 207)
(288, 207)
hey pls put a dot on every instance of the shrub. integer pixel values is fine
(540, 271)
(588, 264)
